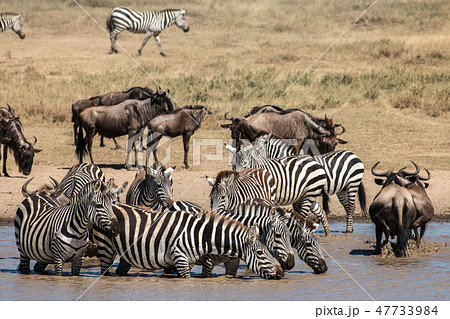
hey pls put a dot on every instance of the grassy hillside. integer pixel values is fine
(386, 80)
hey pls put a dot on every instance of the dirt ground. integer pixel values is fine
(189, 184)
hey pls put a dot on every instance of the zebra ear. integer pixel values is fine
(110, 184)
(98, 185)
(169, 171)
(230, 148)
(315, 227)
(252, 234)
(120, 189)
(210, 181)
(273, 215)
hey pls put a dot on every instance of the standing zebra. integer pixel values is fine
(56, 234)
(298, 179)
(152, 187)
(232, 188)
(11, 21)
(151, 23)
(162, 240)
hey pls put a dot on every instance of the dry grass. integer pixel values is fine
(386, 80)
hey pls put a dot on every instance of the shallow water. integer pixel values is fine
(352, 274)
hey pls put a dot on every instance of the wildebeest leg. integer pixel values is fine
(186, 138)
(75, 133)
(379, 236)
(158, 42)
(102, 142)
(5, 154)
(89, 139)
(155, 137)
(117, 146)
(147, 37)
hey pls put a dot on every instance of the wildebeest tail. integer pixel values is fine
(80, 149)
(362, 199)
(402, 241)
(108, 23)
(326, 202)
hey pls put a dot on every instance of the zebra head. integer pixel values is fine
(221, 191)
(308, 246)
(17, 26)
(100, 211)
(116, 191)
(181, 22)
(159, 180)
(278, 241)
(245, 157)
(258, 257)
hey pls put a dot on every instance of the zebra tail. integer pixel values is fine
(362, 199)
(80, 149)
(326, 202)
(108, 23)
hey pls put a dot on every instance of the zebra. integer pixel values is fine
(151, 23)
(344, 171)
(11, 21)
(230, 188)
(184, 205)
(298, 179)
(57, 234)
(153, 241)
(152, 187)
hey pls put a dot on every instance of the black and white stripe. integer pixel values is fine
(11, 21)
(344, 172)
(178, 239)
(152, 187)
(184, 205)
(58, 234)
(151, 23)
(231, 188)
(298, 179)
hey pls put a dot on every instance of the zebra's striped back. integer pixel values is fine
(56, 234)
(152, 187)
(232, 188)
(162, 240)
(184, 205)
(272, 147)
(79, 176)
(11, 21)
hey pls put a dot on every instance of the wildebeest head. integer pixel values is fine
(413, 177)
(17, 27)
(161, 98)
(389, 177)
(181, 21)
(23, 151)
(328, 140)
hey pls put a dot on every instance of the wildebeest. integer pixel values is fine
(11, 137)
(112, 98)
(422, 202)
(183, 121)
(128, 117)
(392, 211)
(287, 124)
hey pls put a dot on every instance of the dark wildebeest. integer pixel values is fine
(128, 117)
(422, 202)
(288, 124)
(183, 121)
(11, 137)
(393, 211)
(112, 98)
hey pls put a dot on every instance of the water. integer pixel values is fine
(352, 275)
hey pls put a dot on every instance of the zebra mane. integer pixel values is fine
(222, 175)
(9, 13)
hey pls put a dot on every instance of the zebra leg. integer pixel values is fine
(303, 207)
(207, 265)
(231, 267)
(113, 37)
(347, 200)
(158, 42)
(59, 263)
(123, 268)
(181, 263)
(147, 37)
(39, 267)
(76, 265)
(24, 264)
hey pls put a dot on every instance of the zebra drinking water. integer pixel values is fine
(151, 23)
(11, 21)
(57, 234)
(155, 241)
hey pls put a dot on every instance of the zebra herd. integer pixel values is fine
(247, 221)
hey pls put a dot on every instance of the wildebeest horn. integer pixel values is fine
(227, 117)
(343, 129)
(35, 141)
(410, 174)
(423, 178)
(26, 193)
(382, 174)
(55, 188)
